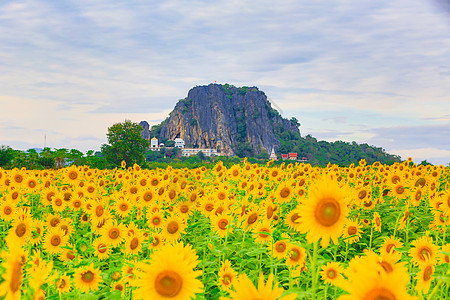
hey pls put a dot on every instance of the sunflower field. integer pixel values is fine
(244, 232)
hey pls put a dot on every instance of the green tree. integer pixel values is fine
(6, 155)
(125, 143)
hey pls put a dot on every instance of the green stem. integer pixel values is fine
(314, 270)
(371, 236)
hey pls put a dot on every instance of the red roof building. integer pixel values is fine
(293, 156)
(284, 156)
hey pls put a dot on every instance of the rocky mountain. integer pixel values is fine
(237, 121)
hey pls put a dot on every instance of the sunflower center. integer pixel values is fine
(221, 196)
(123, 207)
(380, 293)
(58, 202)
(16, 276)
(389, 248)
(172, 194)
(226, 279)
(7, 210)
(377, 221)
(362, 194)
(99, 211)
(156, 220)
(209, 207)
(427, 273)
(332, 274)
(87, 277)
(184, 209)
(418, 195)
(280, 247)
(285, 192)
(168, 283)
(223, 224)
(327, 212)
(21, 229)
(114, 233)
(219, 211)
(294, 218)
(269, 212)
(400, 189)
(386, 266)
(73, 175)
(118, 287)
(102, 248)
(424, 253)
(252, 218)
(62, 283)
(352, 230)
(172, 227)
(55, 240)
(264, 233)
(155, 241)
(134, 243)
(295, 255)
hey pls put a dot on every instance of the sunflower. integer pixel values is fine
(54, 239)
(280, 249)
(37, 231)
(367, 280)
(352, 231)
(424, 278)
(250, 218)
(227, 276)
(376, 223)
(262, 232)
(63, 284)
(221, 224)
(157, 241)
(390, 244)
(284, 193)
(133, 243)
(101, 249)
(13, 263)
(21, 229)
(324, 215)
(7, 210)
(87, 278)
(332, 273)
(113, 233)
(118, 286)
(444, 255)
(244, 289)
(423, 251)
(169, 275)
(297, 256)
(122, 207)
(155, 219)
(173, 227)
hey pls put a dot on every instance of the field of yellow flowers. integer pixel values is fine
(244, 232)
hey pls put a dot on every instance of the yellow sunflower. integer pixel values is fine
(227, 276)
(366, 279)
(113, 233)
(101, 249)
(262, 232)
(376, 223)
(133, 243)
(63, 284)
(297, 256)
(423, 251)
(424, 278)
(173, 227)
(54, 239)
(13, 262)
(87, 278)
(221, 224)
(444, 254)
(323, 216)
(244, 289)
(280, 249)
(332, 273)
(352, 231)
(169, 275)
(390, 244)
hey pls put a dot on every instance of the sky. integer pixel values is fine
(375, 72)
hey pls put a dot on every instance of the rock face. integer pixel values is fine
(145, 130)
(226, 118)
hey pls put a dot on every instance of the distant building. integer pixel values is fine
(304, 159)
(194, 151)
(284, 156)
(179, 143)
(273, 155)
(154, 144)
(293, 156)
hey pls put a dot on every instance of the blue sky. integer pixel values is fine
(375, 72)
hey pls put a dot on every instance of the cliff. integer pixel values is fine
(237, 121)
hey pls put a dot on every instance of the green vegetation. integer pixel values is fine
(125, 143)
